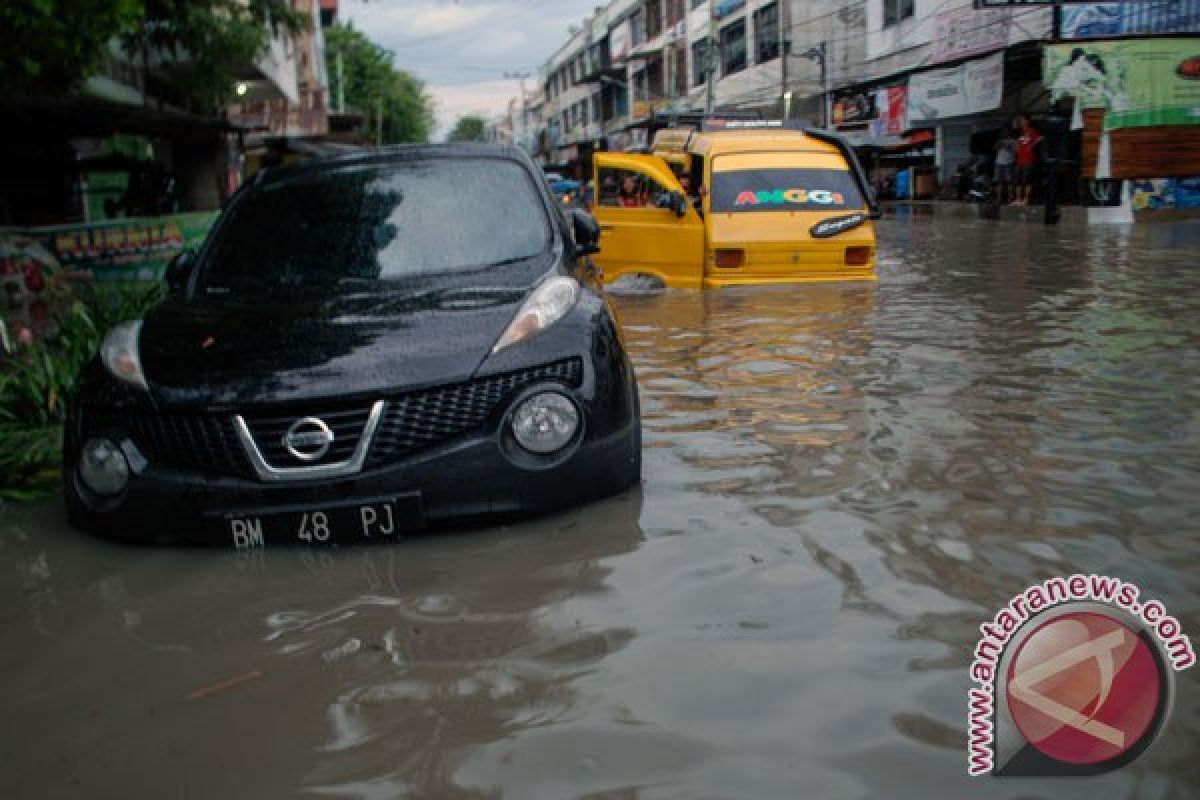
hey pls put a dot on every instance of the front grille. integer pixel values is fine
(347, 425)
(193, 442)
(418, 420)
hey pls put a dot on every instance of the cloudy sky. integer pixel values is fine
(463, 48)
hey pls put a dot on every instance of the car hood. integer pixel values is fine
(234, 354)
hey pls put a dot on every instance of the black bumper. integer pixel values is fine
(466, 479)
(483, 472)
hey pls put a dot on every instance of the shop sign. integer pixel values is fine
(968, 32)
(114, 250)
(1098, 20)
(891, 106)
(854, 108)
(970, 88)
(1139, 82)
(1166, 193)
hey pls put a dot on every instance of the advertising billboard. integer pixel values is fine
(969, 88)
(1139, 82)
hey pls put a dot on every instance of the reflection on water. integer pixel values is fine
(841, 483)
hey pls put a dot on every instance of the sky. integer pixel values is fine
(463, 48)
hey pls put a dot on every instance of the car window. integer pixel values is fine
(379, 223)
(791, 189)
(626, 188)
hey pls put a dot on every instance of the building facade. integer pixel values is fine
(919, 86)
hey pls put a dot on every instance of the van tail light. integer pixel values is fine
(729, 258)
(858, 256)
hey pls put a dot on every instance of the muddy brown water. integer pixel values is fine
(841, 484)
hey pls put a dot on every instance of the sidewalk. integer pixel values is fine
(1069, 215)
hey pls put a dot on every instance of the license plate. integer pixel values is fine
(375, 520)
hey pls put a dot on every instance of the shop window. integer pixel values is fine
(895, 11)
(679, 65)
(623, 188)
(653, 18)
(766, 33)
(699, 61)
(733, 48)
(675, 12)
(637, 26)
(583, 112)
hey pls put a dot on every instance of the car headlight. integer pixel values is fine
(103, 467)
(119, 352)
(545, 422)
(547, 305)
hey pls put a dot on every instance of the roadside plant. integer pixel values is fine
(38, 378)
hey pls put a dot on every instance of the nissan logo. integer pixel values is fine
(308, 439)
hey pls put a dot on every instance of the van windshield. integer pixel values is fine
(407, 221)
(789, 189)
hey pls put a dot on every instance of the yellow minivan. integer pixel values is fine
(736, 202)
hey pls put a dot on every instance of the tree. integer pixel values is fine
(371, 82)
(48, 47)
(196, 48)
(467, 129)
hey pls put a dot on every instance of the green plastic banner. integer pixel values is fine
(135, 249)
(1139, 82)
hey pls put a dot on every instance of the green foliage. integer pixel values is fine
(467, 129)
(198, 46)
(370, 78)
(36, 382)
(50, 46)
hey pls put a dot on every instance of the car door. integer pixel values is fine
(636, 235)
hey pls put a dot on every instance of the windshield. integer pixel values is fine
(378, 223)
(790, 189)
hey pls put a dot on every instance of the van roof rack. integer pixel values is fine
(697, 118)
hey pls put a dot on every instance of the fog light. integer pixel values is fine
(545, 422)
(103, 467)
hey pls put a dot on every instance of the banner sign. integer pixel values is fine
(113, 250)
(969, 88)
(1166, 193)
(854, 107)
(967, 32)
(1139, 82)
(1099, 20)
(891, 111)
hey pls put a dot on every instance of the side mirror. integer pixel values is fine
(179, 269)
(672, 200)
(586, 230)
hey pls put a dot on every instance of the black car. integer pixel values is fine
(364, 345)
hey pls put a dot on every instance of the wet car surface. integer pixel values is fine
(840, 484)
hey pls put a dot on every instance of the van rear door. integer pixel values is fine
(762, 210)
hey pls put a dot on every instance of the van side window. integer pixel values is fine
(623, 188)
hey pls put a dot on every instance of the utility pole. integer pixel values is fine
(818, 54)
(520, 78)
(710, 56)
(341, 78)
(781, 21)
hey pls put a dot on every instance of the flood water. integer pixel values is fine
(841, 484)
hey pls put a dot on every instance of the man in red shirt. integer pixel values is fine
(1027, 143)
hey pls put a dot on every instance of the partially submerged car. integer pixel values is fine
(735, 203)
(364, 345)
